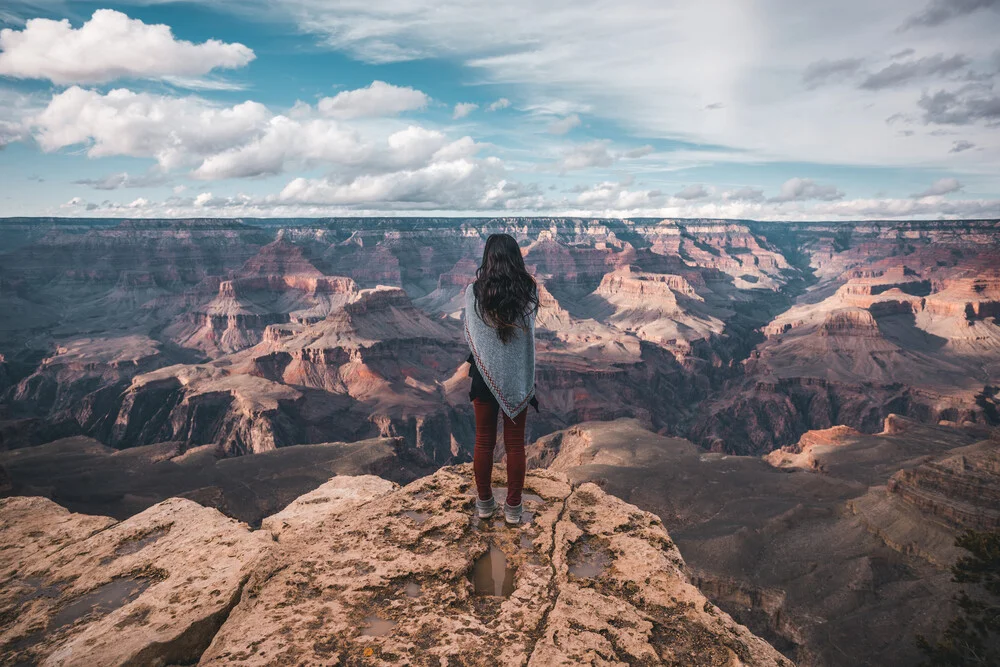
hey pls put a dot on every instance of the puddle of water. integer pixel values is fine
(36, 588)
(491, 575)
(102, 600)
(418, 517)
(412, 589)
(586, 561)
(376, 626)
(134, 546)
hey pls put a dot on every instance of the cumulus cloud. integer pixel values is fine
(564, 125)
(961, 145)
(216, 142)
(378, 99)
(804, 189)
(458, 184)
(942, 186)
(609, 195)
(825, 71)
(941, 11)
(745, 193)
(11, 131)
(172, 130)
(597, 153)
(109, 46)
(463, 109)
(501, 103)
(692, 192)
(584, 156)
(283, 140)
(513, 195)
(903, 72)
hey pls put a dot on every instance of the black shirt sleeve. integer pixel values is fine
(482, 391)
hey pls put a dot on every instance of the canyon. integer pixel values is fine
(810, 409)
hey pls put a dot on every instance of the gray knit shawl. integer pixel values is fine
(508, 368)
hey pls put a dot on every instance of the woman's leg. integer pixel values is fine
(513, 442)
(486, 441)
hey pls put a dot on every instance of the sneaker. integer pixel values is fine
(512, 513)
(486, 508)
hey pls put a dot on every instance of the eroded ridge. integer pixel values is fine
(330, 578)
(85, 590)
(361, 571)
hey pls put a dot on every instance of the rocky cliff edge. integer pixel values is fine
(360, 571)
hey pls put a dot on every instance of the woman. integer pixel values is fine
(500, 308)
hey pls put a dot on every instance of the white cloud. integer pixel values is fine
(501, 103)
(641, 151)
(109, 46)
(617, 196)
(564, 125)
(244, 140)
(584, 156)
(803, 189)
(175, 131)
(746, 194)
(378, 99)
(458, 184)
(597, 153)
(942, 186)
(692, 192)
(463, 109)
(203, 199)
(284, 140)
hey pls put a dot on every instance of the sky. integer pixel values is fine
(744, 109)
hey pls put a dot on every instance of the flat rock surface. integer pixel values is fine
(586, 579)
(86, 590)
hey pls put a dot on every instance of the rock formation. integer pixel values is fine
(816, 549)
(894, 325)
(360, 572)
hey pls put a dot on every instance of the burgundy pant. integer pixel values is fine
(486, 440)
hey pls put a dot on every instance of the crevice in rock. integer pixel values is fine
(188, 648)
(554, 589)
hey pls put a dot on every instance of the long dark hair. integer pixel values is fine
(505, 292)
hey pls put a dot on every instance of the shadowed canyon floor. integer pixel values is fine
(346, 575)
(837, 550)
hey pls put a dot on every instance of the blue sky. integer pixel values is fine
(765, 109)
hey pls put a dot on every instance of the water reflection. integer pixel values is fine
(376, 626)
(491, 574)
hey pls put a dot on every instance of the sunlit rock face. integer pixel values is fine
(360, 570)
